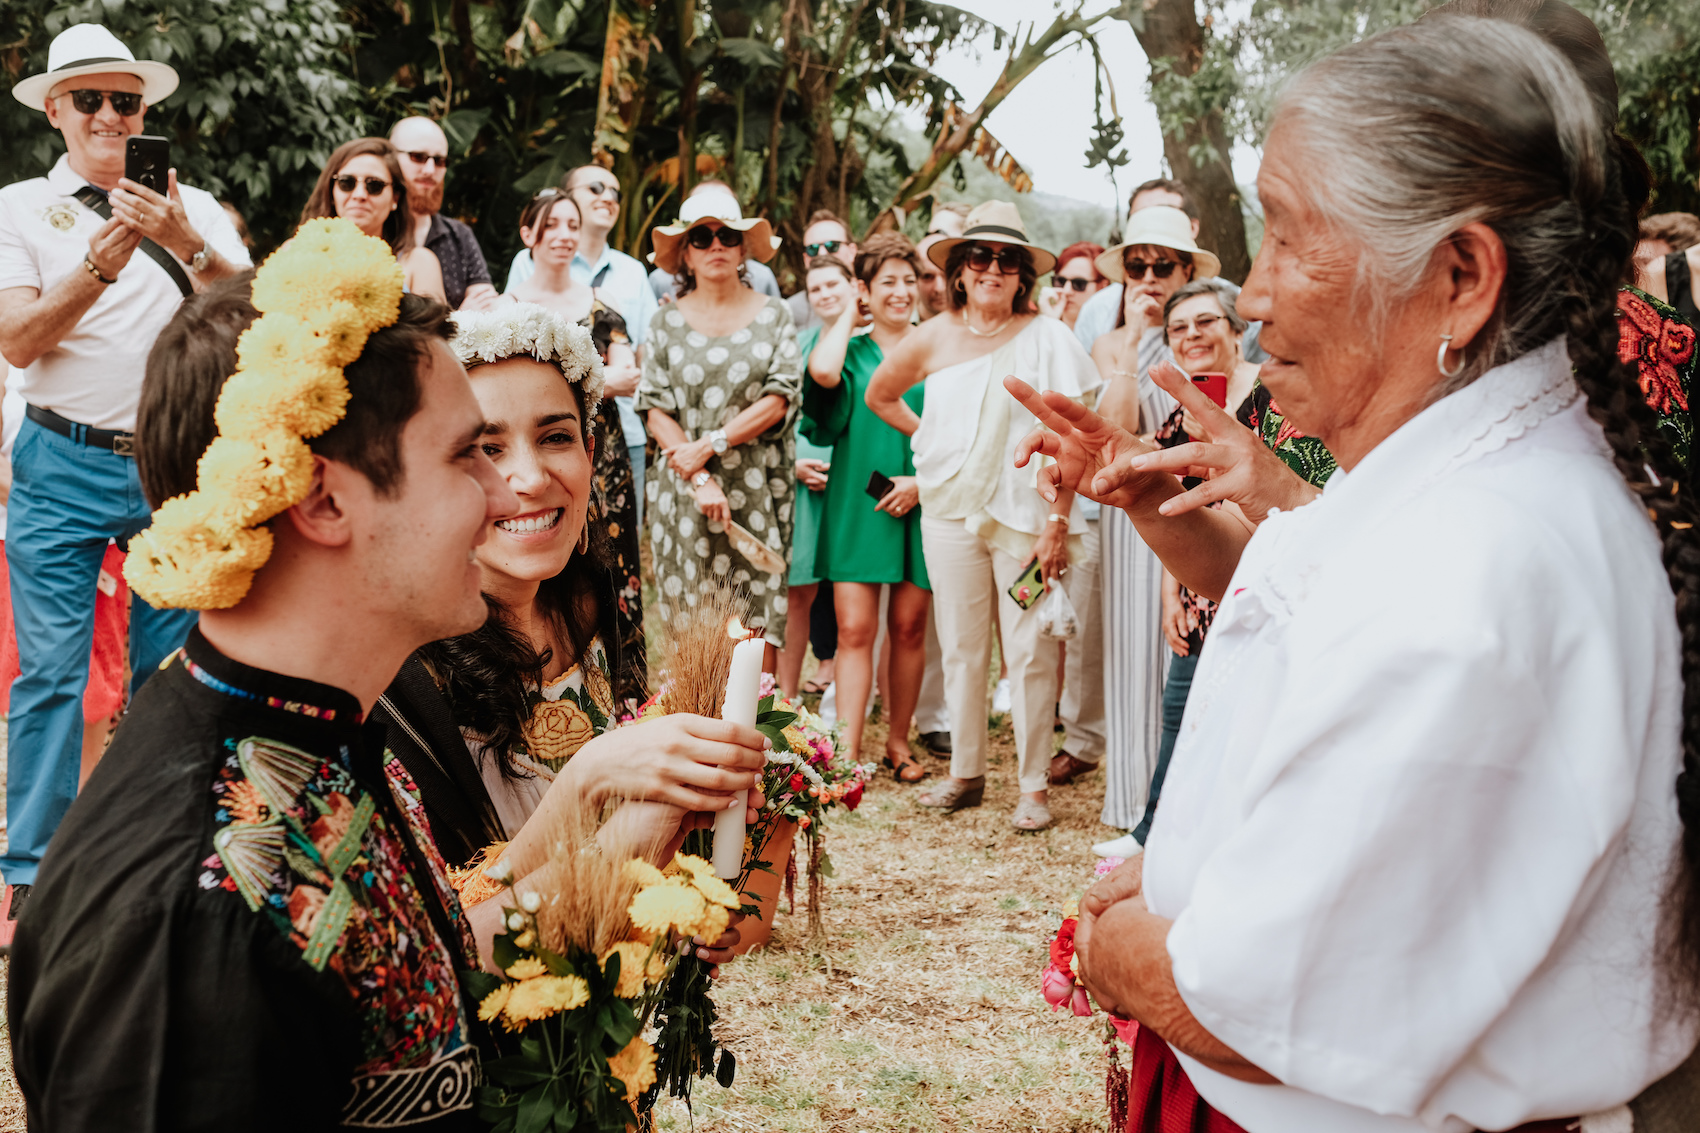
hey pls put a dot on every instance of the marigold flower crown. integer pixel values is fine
(320, 296)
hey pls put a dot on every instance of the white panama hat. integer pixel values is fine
(713, 204)
(90, 49)
(1159, 226)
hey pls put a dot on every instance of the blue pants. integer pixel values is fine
(1175, 691)
(635, 454)
(67, 500)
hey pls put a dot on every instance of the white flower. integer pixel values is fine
(516, 922)
(512, 329)
(530, 901)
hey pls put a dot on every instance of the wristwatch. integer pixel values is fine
(199, 261)
(702, 477)
(718, 440)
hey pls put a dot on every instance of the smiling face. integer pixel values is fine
(536, 436)
(95, 142)
(600, 210)
(555, 241)
(991, 291)
(829, 291)
(367, 210)
(1148, 283)
(892, 295)
(1213, 348)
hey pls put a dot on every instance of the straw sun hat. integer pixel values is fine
(1159, 226)
(712, 204)
(994, 222)
(89, 49)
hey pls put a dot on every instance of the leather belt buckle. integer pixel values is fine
(124, 444)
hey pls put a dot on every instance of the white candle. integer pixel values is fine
(743, 693)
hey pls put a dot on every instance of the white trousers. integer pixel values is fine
(971, 580)
(1082, 709)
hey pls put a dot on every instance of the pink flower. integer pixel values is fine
(1126, 1029)
(767, 685)
(1104, 866)
(1056, 986)
(1080, 1004)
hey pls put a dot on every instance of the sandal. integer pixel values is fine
(955, 794)
(1030, 815)
(812, 687)
(905, 767)
(1065, 769)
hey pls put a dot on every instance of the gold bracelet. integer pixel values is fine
(94, 271)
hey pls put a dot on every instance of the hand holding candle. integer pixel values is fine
(743, 695)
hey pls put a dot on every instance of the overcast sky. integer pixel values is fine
(1047, 122)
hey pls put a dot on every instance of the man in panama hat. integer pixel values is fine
(79, 311)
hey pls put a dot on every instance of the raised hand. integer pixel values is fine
(1091, 454)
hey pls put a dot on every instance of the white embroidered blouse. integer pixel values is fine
(1422, 810)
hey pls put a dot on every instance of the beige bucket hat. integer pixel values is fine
(759, 240)
(994, 222)
(1160, 226)
(90, 49)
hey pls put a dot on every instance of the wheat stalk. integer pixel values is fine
(697, 653)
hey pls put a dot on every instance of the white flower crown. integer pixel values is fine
(513, 329)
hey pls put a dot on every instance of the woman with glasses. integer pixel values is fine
(721, 381)
(1074, 280)
(362, 182)
(991, 542)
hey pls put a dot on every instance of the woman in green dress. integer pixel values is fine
(720, 385)
(864, 543)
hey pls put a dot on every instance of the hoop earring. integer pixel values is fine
(584, 537)
(1440, 358)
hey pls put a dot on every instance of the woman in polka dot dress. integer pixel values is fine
(721, 382)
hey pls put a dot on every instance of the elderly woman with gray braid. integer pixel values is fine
(1418, 864)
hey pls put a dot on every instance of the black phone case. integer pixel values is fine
(147, 159)
(879, 484)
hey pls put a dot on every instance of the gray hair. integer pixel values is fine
(1221, 289)
(1423, 130)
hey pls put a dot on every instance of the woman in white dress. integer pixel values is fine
(1418, 865)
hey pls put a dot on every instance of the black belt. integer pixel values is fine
(123, 444)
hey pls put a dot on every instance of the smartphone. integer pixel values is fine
(1215, 387)
(1027, 588)
(147, 159)
(879, 484)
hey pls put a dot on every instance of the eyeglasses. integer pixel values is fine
(440, 160)
(1162, 269)
(824, 248)
(1009, 260)
(1182, 328)
(702, 236)
(1061, 282)
(600, 189)
(125, 103)
(375, 186)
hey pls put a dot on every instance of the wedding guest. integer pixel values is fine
(757, 274)
(720, 387)
(1662, 234)
(362, 182)
(1486, 434)
(982, 522)
(826, 234)
(1103, 311)
(864, 544)
(423, 150)
(92, 267)
(1074, 280)
(935, 300)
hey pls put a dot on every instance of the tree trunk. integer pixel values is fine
(1172, 34)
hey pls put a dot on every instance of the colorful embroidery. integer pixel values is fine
(1305, 455)
(572, 712)
(217, 685)
(406, 794)
(1661, 343)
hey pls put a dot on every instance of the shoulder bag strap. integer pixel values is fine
(93, 198)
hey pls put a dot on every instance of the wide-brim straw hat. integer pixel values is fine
(89, 49)
(1160, 226)
(994, 222)
(759, 240)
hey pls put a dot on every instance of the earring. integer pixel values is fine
(584, 537)
(1440, 359)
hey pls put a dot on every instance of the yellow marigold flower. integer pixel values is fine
(494, 1002)
(529, 968)
(304, 399)
(260, 474)
(707, 882)
(637, 968)
(712, 925)
(634, 1067)
(542, 997)
(642, 873)
(662, 908)
(338, 331)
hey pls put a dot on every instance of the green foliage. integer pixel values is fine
(265, 93)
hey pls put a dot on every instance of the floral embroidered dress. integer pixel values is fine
(1660, 342)
(616, 511)
(234, 927)
(703, 382)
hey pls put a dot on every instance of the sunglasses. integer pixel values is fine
(702, 237)
(440, 160)
(1009, 260)
(601, 189)
(1061, 282)
(1182, 328)
(124, 103)
(824, 248)
(1162, 269)
(375, 186)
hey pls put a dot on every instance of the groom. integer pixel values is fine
(235, 927)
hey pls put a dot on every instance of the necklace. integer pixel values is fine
(985, 333)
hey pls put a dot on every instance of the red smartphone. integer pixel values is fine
(1215, 387)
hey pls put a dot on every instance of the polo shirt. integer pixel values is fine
(94, 375)
(457, 250)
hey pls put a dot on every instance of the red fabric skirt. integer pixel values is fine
(105, 692)
(1161, 1098)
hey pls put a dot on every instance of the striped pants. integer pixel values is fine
(1136, 661)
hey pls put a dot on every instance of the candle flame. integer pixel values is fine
(735, 629)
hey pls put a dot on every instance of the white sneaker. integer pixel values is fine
(1124, 847)
(1003, 697)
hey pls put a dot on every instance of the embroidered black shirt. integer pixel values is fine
(235, 927)
(456, 248)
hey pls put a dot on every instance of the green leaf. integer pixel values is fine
(826, 865)
(479, 983)
(753, 53)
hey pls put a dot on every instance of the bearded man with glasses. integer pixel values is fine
(79, 310)
(423, 151)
